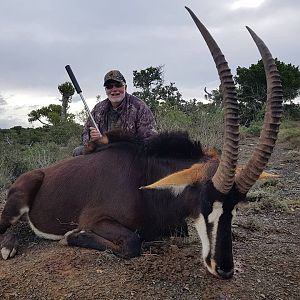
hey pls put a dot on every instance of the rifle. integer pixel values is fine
(79, 91)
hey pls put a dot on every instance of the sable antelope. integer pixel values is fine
(107, 199)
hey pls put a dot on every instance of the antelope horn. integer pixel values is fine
(223, 179)
(262, 152)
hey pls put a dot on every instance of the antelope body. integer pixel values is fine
(107, 200)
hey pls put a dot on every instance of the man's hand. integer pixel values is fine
(95, 136)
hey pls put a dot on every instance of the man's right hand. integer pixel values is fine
(94, 134)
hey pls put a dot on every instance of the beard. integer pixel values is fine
(116, 98)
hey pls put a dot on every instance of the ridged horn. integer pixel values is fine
(223, 179)
(262, 152)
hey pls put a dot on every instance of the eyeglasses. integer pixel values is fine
(109, 86)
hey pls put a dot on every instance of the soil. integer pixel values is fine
(266, 251)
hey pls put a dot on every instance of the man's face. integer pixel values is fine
(115, 92)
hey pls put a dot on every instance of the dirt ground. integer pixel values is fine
(266, 250)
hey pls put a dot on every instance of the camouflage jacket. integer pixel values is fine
(136, 118)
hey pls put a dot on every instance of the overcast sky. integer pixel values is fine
(39, 37)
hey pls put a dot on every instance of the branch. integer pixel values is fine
(38, 119)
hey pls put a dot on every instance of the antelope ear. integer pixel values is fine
(262, 176)
(266, 175)
(180, 179)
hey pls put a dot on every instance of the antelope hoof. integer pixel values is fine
(64, 240)
(8, 246)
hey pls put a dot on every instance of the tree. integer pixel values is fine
(170, 95)
(51, 113)
(252, 88)
(83, 115)
(215, 96)
(67, 91)
(147, 81)
(152, 90)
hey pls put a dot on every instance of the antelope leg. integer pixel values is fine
(104, 235)
(8, 245)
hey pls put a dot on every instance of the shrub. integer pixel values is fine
(61, 133)
(292, 111)
(206, 127)
(253, 129)
(290, 133)
(17, 159)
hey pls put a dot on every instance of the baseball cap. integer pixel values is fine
(114, 75)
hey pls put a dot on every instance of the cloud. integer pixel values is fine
(11, 121)
(37, 40)
(244, 4)
(2, 101)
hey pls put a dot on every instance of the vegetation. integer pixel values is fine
(204, 122)
(252, 91)
(151, 88)
(16, 159)
(54, 114)
(67, 91)
(290, 133)
(23, 149)
(47, 115)
(252, 88)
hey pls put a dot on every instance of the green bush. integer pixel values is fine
(206, 127)
(290, 133)
(24, 149)
(253, 129)
(172, 119)
(292, 111)
(17, 159)
(63, 132)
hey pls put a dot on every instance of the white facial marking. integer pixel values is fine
(207, 245)
(201, 229)
(22, 211)
(48, 236)
(213, 218)
(217, 211)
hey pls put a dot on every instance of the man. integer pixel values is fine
(122, 111)
(119, 111)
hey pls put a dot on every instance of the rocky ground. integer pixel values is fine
(266, 251)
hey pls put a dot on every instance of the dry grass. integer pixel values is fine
(202, 126)
(291, 135)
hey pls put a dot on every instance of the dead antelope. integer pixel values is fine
(107, 199)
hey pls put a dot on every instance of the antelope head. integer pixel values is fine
(215, 187)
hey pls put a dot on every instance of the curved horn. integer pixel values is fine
(262, 152)
(224, 176)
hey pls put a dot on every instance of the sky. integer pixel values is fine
(39, 37)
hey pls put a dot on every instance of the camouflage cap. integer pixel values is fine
(114, 75)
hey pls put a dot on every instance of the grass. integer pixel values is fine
(266, 197)
(16, 159)
(208, 128)
(290, 133)
(251, 224)
(253, 130)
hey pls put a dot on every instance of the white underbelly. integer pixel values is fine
(44, 235)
